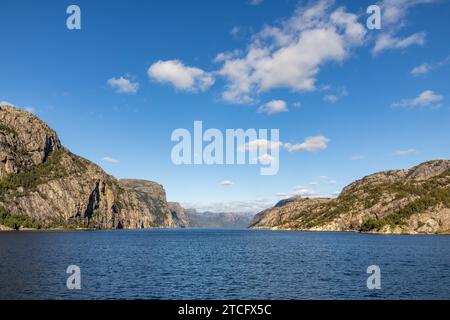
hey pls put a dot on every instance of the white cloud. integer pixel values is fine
(299, 191)
(274, 106)
(290, 55)
(297, 104)
(259, 144)
(110, 160)
(395, 11)
(311, 144)
(6, 103)
(27, 109)
(426, 98)
(422, 69)
(394, 18)
(406, 152)
(227, 55)
(387, 41)
(442, 63)
(331, 98)
(227, 183)
(306, 192)
(235, 31)
(30, 109)
(123, 85)
(180, 76)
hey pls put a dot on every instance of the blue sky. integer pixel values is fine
(116, 89)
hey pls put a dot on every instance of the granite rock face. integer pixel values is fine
(397, 201)
(25, 140)
(154, 195)
(45, 183)
(179, 215)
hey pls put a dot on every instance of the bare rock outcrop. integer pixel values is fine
(25, 140)
(179, 215)
(154, 196)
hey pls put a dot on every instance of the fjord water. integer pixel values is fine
(222, 264)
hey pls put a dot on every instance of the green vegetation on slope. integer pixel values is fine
(428, 195)
(35, 176)
(15, 222)
(419, 196)
(49, 170)
(53, 168)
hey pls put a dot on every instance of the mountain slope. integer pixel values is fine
(396, 201)
(42, 184)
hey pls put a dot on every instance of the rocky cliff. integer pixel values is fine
(44, 185)
(154, 195)
(179, 215)
(397, 201)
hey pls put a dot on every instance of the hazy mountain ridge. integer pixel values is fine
(210, 219)
(396, 201)
(44, 185)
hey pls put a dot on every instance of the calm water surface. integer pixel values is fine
(222, 264)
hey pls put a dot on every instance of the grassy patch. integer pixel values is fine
(16, 222)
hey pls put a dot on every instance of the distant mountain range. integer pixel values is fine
(210, 219)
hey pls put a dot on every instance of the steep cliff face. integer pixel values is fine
(154, 196)
(42, 184)
(179, 215)
(398, 201)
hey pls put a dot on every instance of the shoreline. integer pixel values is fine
(4, 229)
(352, 231)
